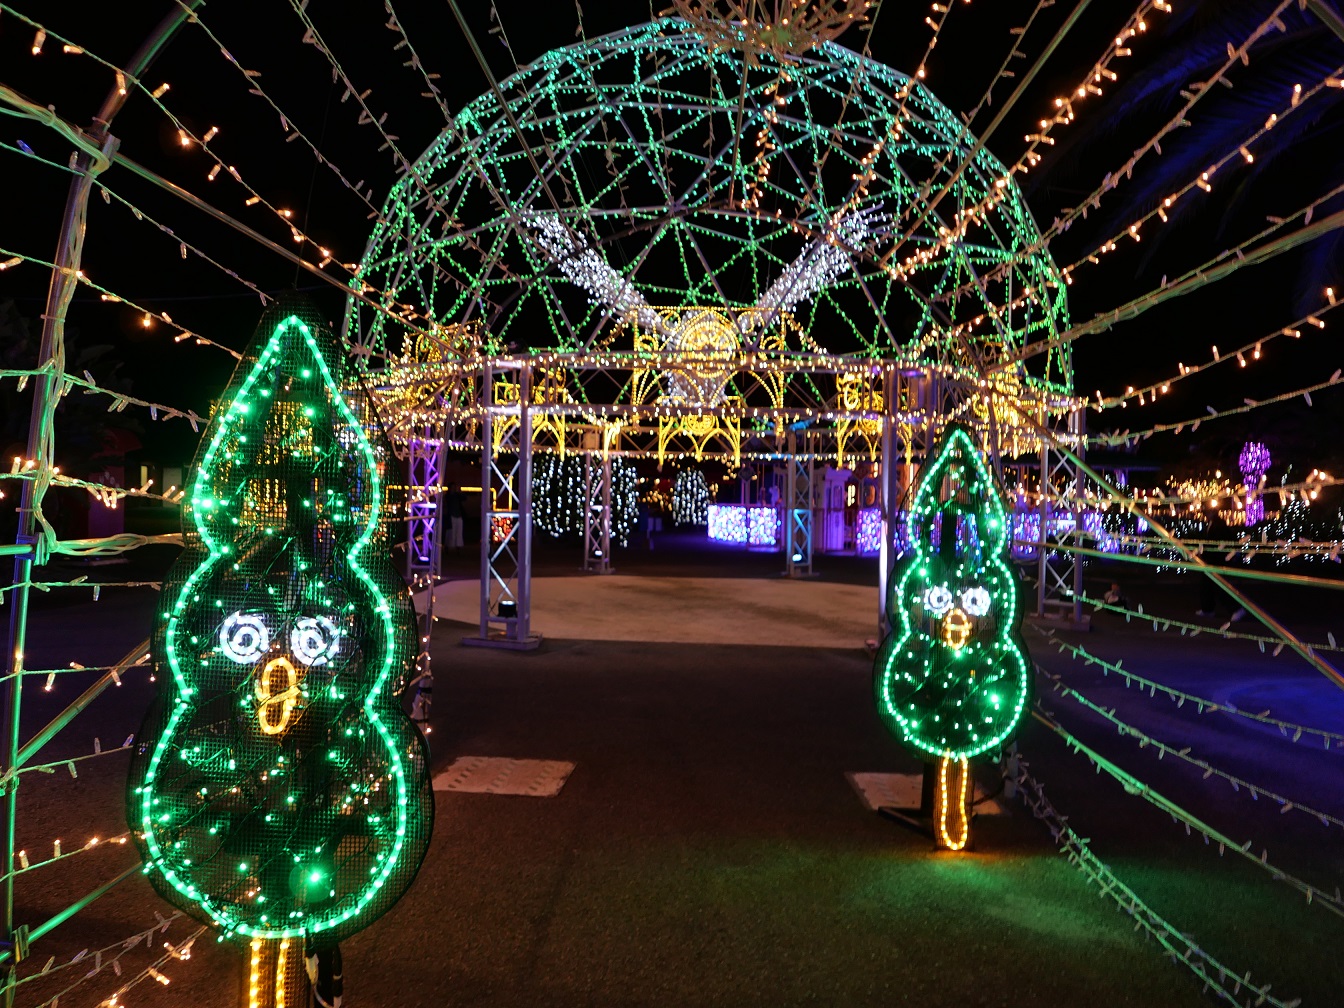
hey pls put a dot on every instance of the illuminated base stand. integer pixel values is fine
(277, 975)
(944, 813)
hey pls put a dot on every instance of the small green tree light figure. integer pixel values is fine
(952, 677)
(277, 790)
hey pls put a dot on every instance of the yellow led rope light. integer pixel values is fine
(963, 767)
(280, 973)
(254, 975)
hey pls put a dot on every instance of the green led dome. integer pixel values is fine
(634, 185)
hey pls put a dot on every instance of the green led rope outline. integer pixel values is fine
(184, 691)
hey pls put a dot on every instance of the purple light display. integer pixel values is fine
(868, 536)
(1254, 463)
(423, 506)
(737, 523)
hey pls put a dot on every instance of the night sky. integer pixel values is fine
(138, 260)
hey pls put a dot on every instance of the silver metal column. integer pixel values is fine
(425, 526)
(890, 498)
(597, 513)
(506, 511)
(1059, 570)
(798, 522)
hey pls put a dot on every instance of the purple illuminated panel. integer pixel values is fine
(762, 526)
(728, 523)
(1254, 462)
(868, 536)
(423, 507)
(737, 523)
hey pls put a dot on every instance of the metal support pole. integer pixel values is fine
(798, 512)
(606, 509)
(506, 511)
(60, 292)
(523, 490)
(890, 502)
(425, 526)
(487, 490)
(588, 525)
(597, 514)
(1077, 421)
(1059, 570)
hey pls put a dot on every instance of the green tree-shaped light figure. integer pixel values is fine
(277, 790)
(952, 678)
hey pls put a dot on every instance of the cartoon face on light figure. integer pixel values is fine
(245, 638)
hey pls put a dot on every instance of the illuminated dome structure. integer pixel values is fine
(827, 199)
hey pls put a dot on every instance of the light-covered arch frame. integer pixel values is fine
(658, 246)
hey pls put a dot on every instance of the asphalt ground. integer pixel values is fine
(708, 849)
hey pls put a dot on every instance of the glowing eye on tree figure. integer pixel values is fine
(244, 638)
(975, 601)
(938, 599)
(314, 639)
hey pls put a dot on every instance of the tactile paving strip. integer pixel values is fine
(498, 775)
(894, 790)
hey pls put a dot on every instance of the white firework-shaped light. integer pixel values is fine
(822, 263)
(571, 254)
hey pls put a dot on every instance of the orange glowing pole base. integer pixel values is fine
(953, 815)
(276, 977)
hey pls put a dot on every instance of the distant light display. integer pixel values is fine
(559, 490)
(741, 523)
(690, 498)
(868, 535)
(627, 143)
(1254, 463)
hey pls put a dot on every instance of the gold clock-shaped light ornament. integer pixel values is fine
(783, 28)
(707, 340)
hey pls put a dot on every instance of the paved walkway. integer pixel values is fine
(687, 610)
